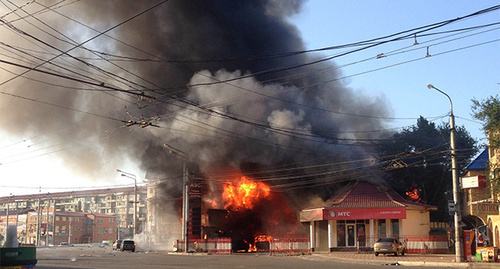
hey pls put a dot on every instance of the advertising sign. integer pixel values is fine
(364, 213)
(194, 190)
(473, 182)
(488, 208)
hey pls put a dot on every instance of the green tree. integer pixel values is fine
(418, 158)
(488, 111)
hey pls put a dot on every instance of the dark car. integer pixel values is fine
(128, 244)
(117, 245)
(389, 245)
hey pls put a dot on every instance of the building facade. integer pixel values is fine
(481, 206)
(108, 213)
(359, 216)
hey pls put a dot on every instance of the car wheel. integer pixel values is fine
(403, 252)
(396, 253)
(376, 254)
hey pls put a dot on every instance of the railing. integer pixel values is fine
(290, 246)
(413, 244)
(427, 244)
(214, 246)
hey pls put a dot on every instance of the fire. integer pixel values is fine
(413, 195)
(244, 193)
(261, 243)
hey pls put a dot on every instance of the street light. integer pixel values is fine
(454, 173)
(132, 176)
(185, 195)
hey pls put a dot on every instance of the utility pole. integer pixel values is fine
(459, 254)
(47, 225)
(185, 195)
(132, 176)
(70, 229)
(38, 224)
(7, 227)
(54, 222)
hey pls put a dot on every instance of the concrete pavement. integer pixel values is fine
(437, 260)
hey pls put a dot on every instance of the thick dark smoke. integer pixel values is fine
(204, 42)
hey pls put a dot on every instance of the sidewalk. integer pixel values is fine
(438, 260)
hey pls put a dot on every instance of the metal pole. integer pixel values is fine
(186, 209)
(183, 232)
(47, 226)
(135, 206)
(132, 176)
(185, 196)
(459, 254)
(54, 223)
(70, 230)
(38, 225)
(7, 225)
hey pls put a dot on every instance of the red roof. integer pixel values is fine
(369, 195)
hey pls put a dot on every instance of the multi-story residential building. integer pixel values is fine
(164, 215)
(95, 204)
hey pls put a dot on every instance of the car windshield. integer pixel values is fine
(390, 240)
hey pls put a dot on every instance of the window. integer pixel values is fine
(340, 234)
(381, 228)
(395, 227)
(111, 220)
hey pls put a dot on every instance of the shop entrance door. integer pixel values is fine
(351, 235)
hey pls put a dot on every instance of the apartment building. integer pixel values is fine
(108, 213)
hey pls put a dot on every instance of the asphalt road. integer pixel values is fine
(86, 257)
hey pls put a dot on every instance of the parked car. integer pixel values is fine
(128, 244)
(389, 245)
(65, 244)
(117, 245)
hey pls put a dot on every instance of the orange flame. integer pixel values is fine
(414, 195)
(260, 239)
(244, 193)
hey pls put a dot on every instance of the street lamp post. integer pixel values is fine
(185, 195)
(454, 172)
(132, 176)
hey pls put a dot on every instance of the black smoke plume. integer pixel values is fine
(224, 124)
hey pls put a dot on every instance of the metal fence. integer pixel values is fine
(290, 246)
(214, 246)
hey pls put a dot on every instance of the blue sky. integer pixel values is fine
(463, 74)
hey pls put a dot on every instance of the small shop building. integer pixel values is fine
(364, 212)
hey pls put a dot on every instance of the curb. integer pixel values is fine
(435, 264)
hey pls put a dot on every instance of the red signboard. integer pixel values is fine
(364, 213)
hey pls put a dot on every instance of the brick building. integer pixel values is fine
(481, 206)
(110, 213)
